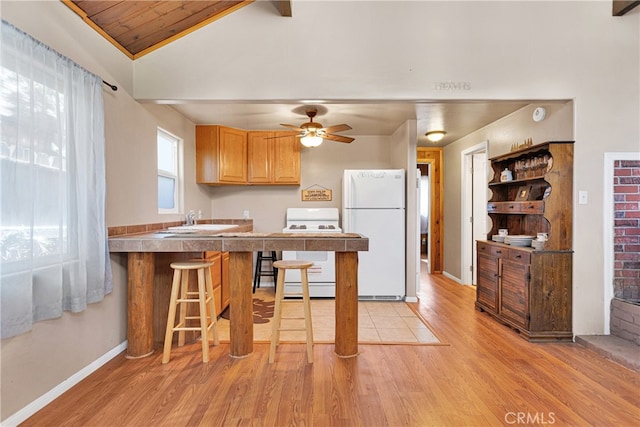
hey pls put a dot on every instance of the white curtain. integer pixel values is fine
(53, 237)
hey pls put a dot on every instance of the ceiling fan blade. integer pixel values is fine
(292, 127)
(337, 128)
(338, 138)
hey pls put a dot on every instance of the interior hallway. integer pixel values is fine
(488, 375)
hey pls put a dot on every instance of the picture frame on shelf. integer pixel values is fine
(523, 193)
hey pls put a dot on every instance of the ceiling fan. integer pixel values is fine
(312, 133)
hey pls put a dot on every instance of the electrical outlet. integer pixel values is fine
(245, 214)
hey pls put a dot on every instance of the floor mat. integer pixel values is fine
(379, 322)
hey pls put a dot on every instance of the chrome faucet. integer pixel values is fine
(191, 217)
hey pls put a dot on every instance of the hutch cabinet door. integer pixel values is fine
(514, 295)
(487, 286)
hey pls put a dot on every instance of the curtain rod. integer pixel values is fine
(113, 87)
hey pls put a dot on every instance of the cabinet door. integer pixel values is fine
(487, 286)
(224, 287)
(286, 158)
(207, 154)
(260, 156)
(232, 155)
(216, 278)
(514, 293)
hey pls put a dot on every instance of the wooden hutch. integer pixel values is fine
(529, 289)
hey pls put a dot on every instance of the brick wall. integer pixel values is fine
(626, 183)
(625, 320)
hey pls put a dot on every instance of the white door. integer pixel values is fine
(474, 210)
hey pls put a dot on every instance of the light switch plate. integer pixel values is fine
(583, 197)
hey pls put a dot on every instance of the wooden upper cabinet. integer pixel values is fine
(260, 157)
(286, 158)
(221, 155)
(274, 157)
(232, 156)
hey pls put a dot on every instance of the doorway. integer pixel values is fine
(432, 158)
(474, 207)
(424, 209)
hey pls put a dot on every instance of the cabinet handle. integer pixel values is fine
(518, 256)
(498, 252)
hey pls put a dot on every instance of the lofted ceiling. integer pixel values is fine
(139, 27)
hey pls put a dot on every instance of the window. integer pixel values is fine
(169, 172)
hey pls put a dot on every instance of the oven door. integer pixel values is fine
(322, 271)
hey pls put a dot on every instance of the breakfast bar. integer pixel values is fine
(141, 250)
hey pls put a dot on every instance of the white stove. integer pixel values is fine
(322, 275)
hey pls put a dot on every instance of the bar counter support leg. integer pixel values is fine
(346, 304)
(240, 304)
(140, 266)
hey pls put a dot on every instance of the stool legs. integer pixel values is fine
(206, 307)
(306, 301)
(259, 272)
(277, 318)
(211, 309)
(171, 318)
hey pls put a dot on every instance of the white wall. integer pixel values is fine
(403, 156)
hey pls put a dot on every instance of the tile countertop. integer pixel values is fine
(237, 241)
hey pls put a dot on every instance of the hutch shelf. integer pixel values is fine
(526, 288)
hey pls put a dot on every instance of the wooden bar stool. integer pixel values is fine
(280, 299)
(259, 272)
(204, 297)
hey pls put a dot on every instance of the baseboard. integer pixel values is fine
(410, 299)
(454, 278)
(58, 390)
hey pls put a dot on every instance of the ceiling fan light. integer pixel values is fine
(311, 141)
(435, 135)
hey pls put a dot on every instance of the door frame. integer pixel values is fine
(466, 217)
(433, 156)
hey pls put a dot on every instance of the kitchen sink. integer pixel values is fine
(200, 227)
(186, 235)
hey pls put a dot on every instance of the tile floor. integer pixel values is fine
(378, 322)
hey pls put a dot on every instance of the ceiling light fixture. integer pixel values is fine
(311, 141)
(435, 135)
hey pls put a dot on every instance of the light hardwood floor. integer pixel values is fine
(487, 376)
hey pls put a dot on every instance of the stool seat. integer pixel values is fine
(293, 264)
(285, 265)
(181, 295)
(193, 264)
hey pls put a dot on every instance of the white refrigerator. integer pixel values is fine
(373, 204)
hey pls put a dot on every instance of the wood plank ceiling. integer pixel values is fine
(139, 27)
